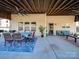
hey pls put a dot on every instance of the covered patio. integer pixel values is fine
(51, 47)
(39, 29)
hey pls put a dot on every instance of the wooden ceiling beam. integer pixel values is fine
(64, 1)
(6, 4)
(33, 5)
(2, 8)
(44, 6)
(50, 6)
(27, 3)
(66, 12)
(41, 5)
(70, 1)
(26, 10)
(70, 9)
(38, 5)
(70, 5)
(59, 14)
(20, 1)
(10, 3)
(75, 6)
(55, 5)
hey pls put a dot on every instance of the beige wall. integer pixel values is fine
(42, 19)
(60, 21)
(38, 18)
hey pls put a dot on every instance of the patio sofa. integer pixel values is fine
(62, 32)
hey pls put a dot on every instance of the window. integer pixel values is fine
(77, 29)
(27, 26)
(77, 26)
(20, 26)
(4, 24)
(0, 22)
(33, 26)
(6, 21)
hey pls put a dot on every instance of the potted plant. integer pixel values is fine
(41, 29)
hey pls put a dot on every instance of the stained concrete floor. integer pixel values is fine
(51, 47)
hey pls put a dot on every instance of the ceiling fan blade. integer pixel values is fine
(17, 9)
(20, 12)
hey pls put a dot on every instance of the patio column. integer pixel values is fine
(45, 22)
(45, 25)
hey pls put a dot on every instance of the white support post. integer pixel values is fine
(45, 24)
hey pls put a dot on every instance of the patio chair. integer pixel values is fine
(31, 36)
(17, 38)
(8, 38)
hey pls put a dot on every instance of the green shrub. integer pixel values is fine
(41, 28)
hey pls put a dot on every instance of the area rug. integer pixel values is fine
(25, 47)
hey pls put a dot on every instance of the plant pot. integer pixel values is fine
(42, 35)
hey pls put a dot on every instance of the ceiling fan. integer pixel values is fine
(20, 11)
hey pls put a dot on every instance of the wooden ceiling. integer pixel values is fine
(50, 7)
